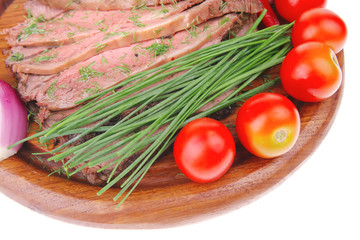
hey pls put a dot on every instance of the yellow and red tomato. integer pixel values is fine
(268, 125)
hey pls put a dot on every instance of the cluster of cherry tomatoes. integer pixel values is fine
(268, 124)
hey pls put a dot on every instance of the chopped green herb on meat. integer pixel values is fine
(16, 57)
(87, 72)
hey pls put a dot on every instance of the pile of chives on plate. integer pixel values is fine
(149, 129)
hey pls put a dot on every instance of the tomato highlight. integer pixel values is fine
(310, 72)
(268, 125)
(204, 150)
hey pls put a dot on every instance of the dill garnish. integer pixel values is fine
(193, 29)
(223, 21)
(163, 9)
(231, 34)
(70, 35)
(69, 3)
(157, 31)
(222, 6)
(80, 28)
(104, 61)
(87, 72)
(136, 22)
(100, 46)
(99, 22)
(124, 68)
(41, 19)
(63, 170)
(16, 56)
(206, 27)
(69, 14)
(44, 58)
(93, 90)
(114, 33)
(141, 7)
(123, 56)
(50, 91)
(104, 28)
(31, 29)
(158, 48)
(53, 88)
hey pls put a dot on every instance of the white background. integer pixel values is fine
(321, 200)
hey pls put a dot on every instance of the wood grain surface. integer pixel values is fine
(164, 198)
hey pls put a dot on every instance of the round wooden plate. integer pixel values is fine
(164, 198)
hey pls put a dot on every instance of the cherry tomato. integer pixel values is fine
(204, 150)
(310, 72)
(290, 10)
(268, 125)
(320, 25)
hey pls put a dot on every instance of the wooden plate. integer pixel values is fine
(164, 198)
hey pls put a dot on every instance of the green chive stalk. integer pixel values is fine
(171, 96)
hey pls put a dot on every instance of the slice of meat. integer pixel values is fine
(39, 10)
(65, 56)
(19, 53)
(73, 26)
(97, 73)
(104, 4)
(29, 85)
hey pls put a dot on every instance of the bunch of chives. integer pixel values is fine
(200, 77)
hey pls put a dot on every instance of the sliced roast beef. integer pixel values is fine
(65, 56)
(105, 4)
(239, 28)
(72, 26)
(62, 91)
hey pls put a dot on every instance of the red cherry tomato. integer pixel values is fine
(310, 72)
(268, 125)
(320, 25)
(290, 10)
(204, 150)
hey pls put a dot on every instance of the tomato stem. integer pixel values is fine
(281, 135)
